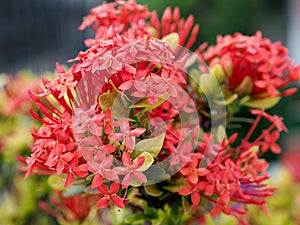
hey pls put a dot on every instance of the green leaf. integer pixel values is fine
(144, 103)
(150, 145)
(106, 100)
(155, 173)
(263, 103)
(135, 183)
(176, 186)
(74, 190)
(175, 215)
(147, 163)
(208, 85)
(57, 182)
(228, 100)
(153, 190)
(172, 39)
(218, 72)
(115, 102)
(185, 205)
(90, 190)
(219, 133)
(191, 60)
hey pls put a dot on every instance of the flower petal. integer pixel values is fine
(126, 159)
(195, 197)
(114, 188)
(139, 176)
(137, 132)
(103, 203)
(185, 191)
(126, 180)
(103, 189)
(97, 181)
(117, 201)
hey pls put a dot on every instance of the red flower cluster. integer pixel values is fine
(15, 93)
(253, 65)
(72, 209)
(130, 19)
(128, 113)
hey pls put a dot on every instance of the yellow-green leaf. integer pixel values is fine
(57, 182)
(172, 39)
(144, 103)
(148, 161)
(116, 103)
(150, 145)
(245, 87)
(263, 103)
(106, 100)
(218, 72)
(208, 84)
(135, 183)
(176, 186)
(228, 100)
(153, 190)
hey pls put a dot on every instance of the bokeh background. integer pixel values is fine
(35, 34)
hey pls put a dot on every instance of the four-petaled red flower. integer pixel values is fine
(102, 168)
(110, 195)
(131, 170)
(127, 135)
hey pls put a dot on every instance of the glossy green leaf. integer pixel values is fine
(57, 182)
(151, 145)
(155, 173)
(172, 39)
(153, 190)
(228, 100)
(176, 186)
(144, 103)
(74, 190)
(147, 163)
(263, 103)
(116, 103)
(218, 72)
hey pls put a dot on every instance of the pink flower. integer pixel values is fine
(194, 191)
(59, 157)
(193, 171)
(127, 135)
(101, 167)
(84, 121)
(110, 195)
(131, 170)
(135, 24)
(269, 142)
(266, 64)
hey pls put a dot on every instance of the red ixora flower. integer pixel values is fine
(16, 95)
(131, 20)
(71, 209)
(110, 195)
(82, 135)
(127, 135)
(130, 170)
(264, 67)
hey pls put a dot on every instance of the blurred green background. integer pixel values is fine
(219, 17)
